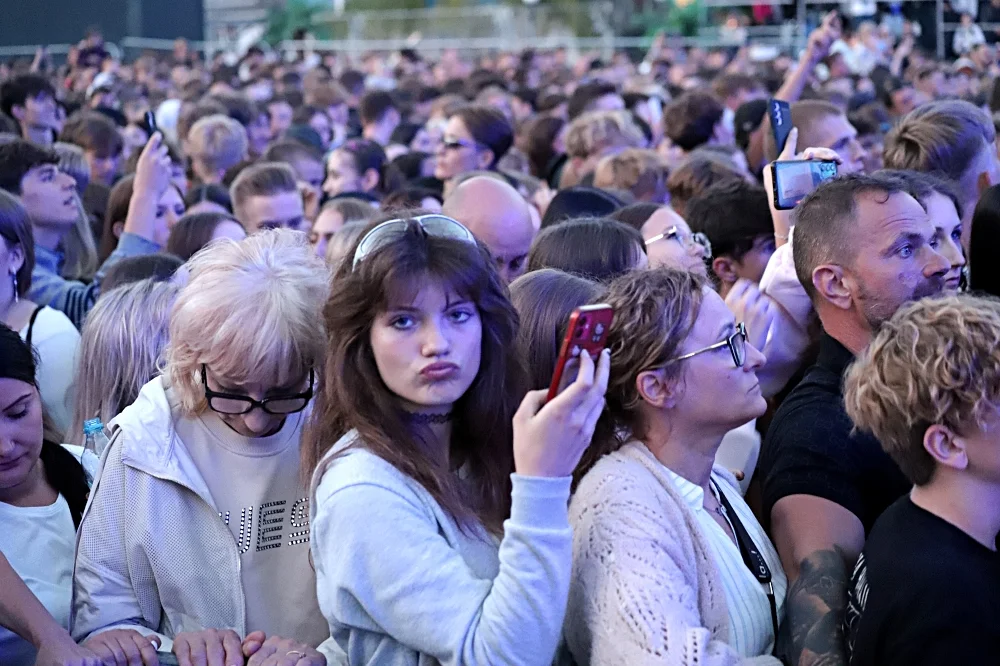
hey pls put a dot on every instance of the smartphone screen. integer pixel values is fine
(794, 180)
(780, 114)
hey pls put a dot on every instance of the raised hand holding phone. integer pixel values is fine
(550, 437)
(587, 330)
(795, 179)
(783, 218)
(152, 171)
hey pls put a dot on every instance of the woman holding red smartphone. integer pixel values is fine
(439, 511)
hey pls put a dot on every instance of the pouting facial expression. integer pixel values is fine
(428, 350)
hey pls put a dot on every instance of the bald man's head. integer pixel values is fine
(499, 217)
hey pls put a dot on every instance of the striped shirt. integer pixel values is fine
(751, 632)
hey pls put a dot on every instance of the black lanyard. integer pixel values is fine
(752, 556)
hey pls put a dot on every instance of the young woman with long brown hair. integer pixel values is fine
(434, 539)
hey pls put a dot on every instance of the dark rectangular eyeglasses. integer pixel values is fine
(279, 405)
(737, 343)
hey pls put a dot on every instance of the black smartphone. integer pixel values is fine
(793, 180)
(780, 113)
(150, 121)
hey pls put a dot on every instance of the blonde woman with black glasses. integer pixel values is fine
(196, 537)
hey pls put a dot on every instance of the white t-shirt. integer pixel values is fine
(57, 342)
(39, 542)
(256, 487)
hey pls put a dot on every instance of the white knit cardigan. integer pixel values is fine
(644, 588)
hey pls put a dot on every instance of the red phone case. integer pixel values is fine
(587, 331)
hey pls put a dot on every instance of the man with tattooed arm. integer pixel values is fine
(862, 248)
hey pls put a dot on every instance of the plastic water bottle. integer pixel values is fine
(95, 440)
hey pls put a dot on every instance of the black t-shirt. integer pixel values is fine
(809, 448)
(923, 592)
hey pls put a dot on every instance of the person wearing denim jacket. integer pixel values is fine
(49, 195)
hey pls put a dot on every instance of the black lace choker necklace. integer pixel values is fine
(428, 419)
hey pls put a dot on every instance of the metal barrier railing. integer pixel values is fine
(29, 50)
(770, 35)
(509, 33)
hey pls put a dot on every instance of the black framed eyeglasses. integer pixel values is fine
(737, 343)
(279, 405)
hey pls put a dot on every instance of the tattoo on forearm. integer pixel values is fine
(812, 634)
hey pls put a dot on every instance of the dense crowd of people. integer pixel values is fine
(278, 334)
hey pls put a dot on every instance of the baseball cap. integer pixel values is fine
(748, 118)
